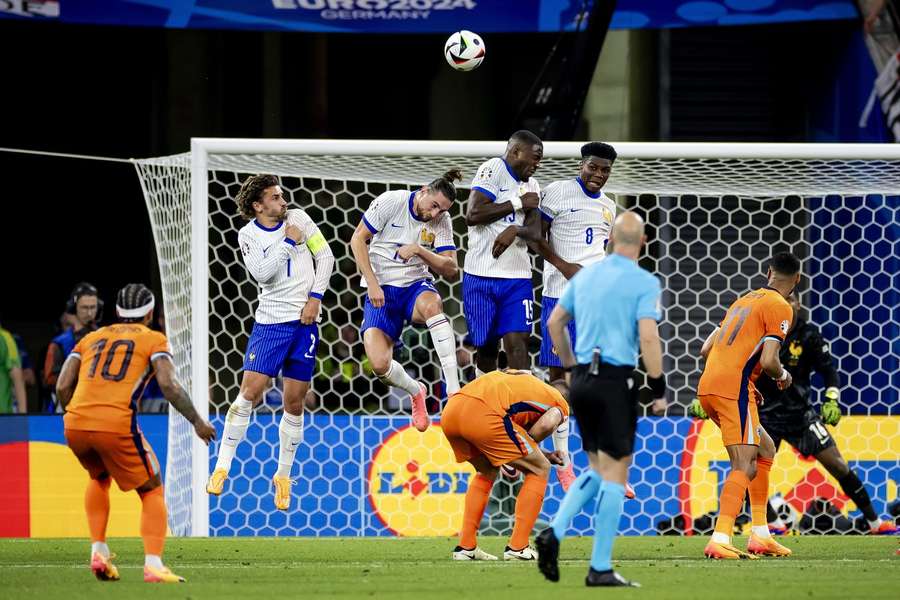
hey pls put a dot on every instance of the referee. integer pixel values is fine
(617, 305)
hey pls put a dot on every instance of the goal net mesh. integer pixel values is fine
(712, 224)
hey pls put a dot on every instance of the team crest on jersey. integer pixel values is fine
(252, 357)
(785, 325)
(795, 350)
(426, 238)
(607, 216)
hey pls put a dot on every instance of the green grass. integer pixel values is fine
(278, 568)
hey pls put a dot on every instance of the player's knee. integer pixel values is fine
(148, 486)
(293, 403)
(750, 470)
(380, 364)
(431, 308)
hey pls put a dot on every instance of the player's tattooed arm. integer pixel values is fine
(542, 248)
(482, 210)
(178, 397)
(68, 378)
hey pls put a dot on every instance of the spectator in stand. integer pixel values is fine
(28, 375)
(12, 384)
(84, 310)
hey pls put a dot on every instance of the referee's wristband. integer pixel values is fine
(657, 385)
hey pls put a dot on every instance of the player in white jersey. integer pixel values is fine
(576, 220)
(409, 234)
(502, 216)
(278, 246)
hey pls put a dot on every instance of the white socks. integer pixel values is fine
(396, 376)
(444, 341)
(236, 422)
(561, 442)
(721, 538)
(762, 531)
(290, 435)
(153, 560)
(100, 548)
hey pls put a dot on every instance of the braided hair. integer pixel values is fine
(134, 302)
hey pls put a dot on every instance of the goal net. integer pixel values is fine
(715, 213)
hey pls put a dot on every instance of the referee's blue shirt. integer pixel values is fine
(606, 300)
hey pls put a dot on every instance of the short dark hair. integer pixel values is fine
(132, 296)
(444, 184)
(526, 137)
(785, 263)
(251, 191)
(600, 150)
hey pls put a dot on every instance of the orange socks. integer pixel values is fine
(96, 505)
(476, 500)
(759, 491)
(153, 521)
(731, 500)
(528, 506)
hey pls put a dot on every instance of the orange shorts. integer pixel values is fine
(738, 421)
(127, 458)
(473, 429)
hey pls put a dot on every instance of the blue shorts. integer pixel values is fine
(495, 306)
(399, 304)
(549, 358)
(286, 347)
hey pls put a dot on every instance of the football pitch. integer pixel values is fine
(270, 568)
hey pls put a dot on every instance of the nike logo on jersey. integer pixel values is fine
(266, 249)
(501, 190)
(395, 225)
(575, 210)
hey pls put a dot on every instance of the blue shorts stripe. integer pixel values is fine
(548, 356)
(286, 348)
(495, 306)
(399, 305)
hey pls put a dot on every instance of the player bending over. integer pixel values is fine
(402, 237)
(95, 388)
(278, 246)
(499, 419)
(743, 346)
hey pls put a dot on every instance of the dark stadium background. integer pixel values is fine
(138, 92)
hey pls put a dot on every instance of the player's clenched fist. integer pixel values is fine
(293, 232)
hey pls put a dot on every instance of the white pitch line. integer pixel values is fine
(688, 562)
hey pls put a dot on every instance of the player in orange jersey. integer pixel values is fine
(97, 387)
(746, 344)
(498, 419)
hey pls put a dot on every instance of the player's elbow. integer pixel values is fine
(451, 272)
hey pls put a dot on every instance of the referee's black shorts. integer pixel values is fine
(606, 408)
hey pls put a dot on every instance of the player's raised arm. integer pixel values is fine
(68, 379)
(178, 397)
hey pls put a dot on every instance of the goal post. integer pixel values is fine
(715, 212)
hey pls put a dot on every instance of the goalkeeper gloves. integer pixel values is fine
(831, 412)
(696, 410)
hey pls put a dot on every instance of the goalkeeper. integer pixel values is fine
(789, 415)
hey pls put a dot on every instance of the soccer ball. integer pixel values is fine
(464, 50)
